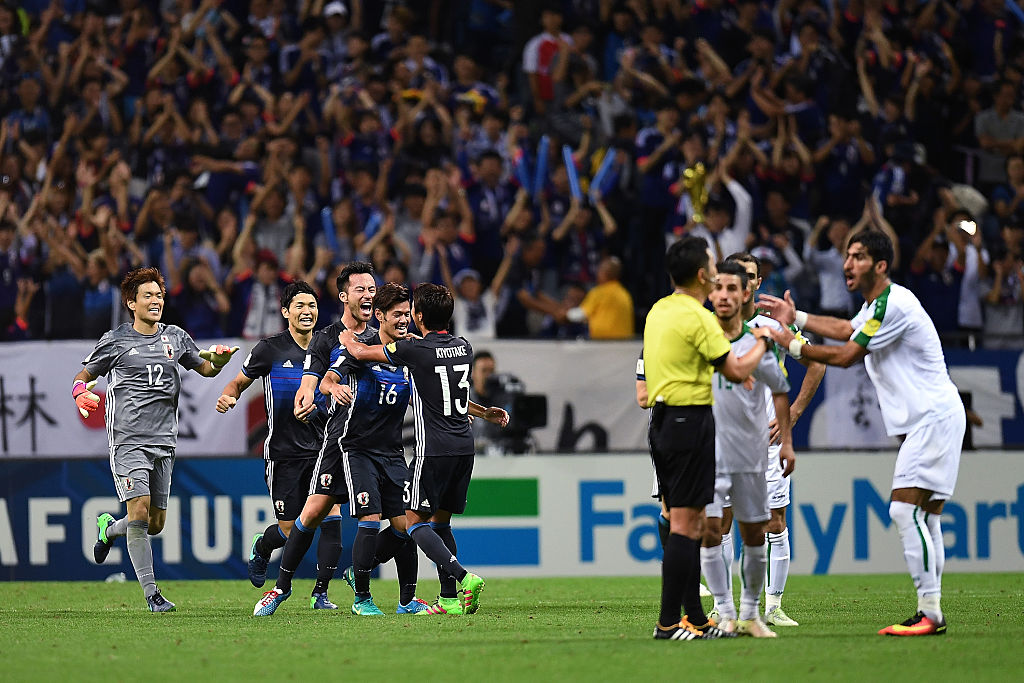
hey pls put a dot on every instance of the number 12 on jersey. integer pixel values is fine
(446, 393)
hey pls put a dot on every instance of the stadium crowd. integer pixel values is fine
(240, 145)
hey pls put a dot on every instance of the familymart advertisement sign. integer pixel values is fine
(529, 516)
(593, 515)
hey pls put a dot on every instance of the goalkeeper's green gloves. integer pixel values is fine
(218, 355)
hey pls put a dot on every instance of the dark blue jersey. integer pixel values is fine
(323, 352)
(380, 395)
(440, 366)
(278, 361)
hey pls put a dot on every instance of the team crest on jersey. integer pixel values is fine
(169, 351)
(363, 498)
(279, 505)
(325, 481)
(164, 338)
(128, 484)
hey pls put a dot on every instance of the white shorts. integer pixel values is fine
(745, 492)
(929, 457)
(778, 485)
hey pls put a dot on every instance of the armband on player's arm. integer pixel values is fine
(84, 398)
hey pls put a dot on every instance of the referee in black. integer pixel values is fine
(683, 346)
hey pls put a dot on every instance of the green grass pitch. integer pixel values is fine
(592, 629)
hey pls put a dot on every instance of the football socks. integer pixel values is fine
(778, 565)
(141, 553)
(328, 550)
(434, 548)
(712, 565)
(448, 587)
(272, 539)
(295, 549)
(363, 549)
(755, 560)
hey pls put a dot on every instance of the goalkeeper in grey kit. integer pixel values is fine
(140, 361)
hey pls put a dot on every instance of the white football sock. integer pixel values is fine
(754, 562)
(778, 569)
(935, 527)
(920, 555)
(712, 565)
(729, 554)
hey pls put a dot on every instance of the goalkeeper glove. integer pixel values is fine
(84, 398)
(218, 355)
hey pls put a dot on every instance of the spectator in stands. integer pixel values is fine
(608, 307)
(1000, 132)
(1004, 301)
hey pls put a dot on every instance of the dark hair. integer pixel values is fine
(482, 355)
(390, 295)
(135, 279)
(489, 154)
(877, 244)
(745, 257)
(435, 303)
(293, 289)
(354, 268)
(728, 267)
(685, 258)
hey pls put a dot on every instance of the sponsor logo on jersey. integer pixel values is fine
(279, 504)
(287, 364)
(325, 481)
(169, 351)
(133, 352)
(363, 498)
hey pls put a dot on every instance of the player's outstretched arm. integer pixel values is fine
(360, 351)
(232, 392)
(784, 311)
(216, 357)
(493, 414)
(737, 368)
(81, 391)
(843, 356)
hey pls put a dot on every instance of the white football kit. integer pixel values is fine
(778, 485)
(917, 397)
(741, 435)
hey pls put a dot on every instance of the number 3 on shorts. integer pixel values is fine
(406, 494)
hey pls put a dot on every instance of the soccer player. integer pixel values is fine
(741, 441)
(356, 288)
(901, 350)
(440, 365)
(140, 361)
(373, 458)
(683, 343)
(292, 445)
(779, 486)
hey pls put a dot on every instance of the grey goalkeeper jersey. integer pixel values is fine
(741, 418)
(143, 382)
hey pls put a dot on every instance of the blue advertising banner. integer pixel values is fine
(48, 512)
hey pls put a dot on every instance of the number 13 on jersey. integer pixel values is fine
(461, 407)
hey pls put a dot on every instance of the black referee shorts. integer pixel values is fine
(682, 440)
